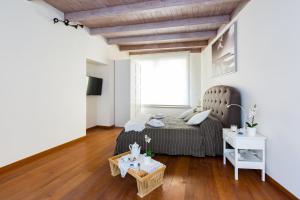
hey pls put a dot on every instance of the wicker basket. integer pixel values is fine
(146, 183)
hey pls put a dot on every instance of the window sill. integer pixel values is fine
(165, 106)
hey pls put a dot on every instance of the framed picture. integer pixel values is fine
(224, 53)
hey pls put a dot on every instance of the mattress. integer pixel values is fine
(177, 138)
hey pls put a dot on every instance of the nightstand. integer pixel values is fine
(246, 153)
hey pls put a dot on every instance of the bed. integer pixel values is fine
(177, 138)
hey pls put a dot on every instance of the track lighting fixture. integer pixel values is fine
(67, 23)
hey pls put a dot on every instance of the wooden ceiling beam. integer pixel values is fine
(164, 46)
(220, 20)
(154, 5)
(204, 35)
(198, 50)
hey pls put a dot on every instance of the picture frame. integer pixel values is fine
(224, 53)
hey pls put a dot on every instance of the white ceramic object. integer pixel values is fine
(251, 131)
(135, 149)
(147, 160)
(234, 128)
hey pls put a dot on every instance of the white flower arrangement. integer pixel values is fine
(251, 117)
(148, 140)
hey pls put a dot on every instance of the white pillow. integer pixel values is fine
(186, 113)
(198, 118)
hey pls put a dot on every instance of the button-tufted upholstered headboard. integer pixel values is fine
(217, 98)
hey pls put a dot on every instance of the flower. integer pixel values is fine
(252, 112)
(147, 139)
(251, 116)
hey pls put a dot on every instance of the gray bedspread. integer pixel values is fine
(177, 138)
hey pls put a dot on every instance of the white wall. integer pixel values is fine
(100, 109)
(92, 69)
(105, 109)
(91, 111)
(42, 78)
(268, 75)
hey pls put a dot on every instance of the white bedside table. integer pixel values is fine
(247, 153)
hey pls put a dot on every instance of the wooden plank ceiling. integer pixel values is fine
(151, 26)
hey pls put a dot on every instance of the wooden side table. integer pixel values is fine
(146, 183)
(248, 152)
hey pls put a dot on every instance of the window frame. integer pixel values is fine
(164, 106)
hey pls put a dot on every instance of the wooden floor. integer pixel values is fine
(81, 171)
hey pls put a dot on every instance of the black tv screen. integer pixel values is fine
(94, 86)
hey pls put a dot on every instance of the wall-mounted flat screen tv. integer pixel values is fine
(94, 86)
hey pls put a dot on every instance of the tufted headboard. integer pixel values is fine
(217, 98)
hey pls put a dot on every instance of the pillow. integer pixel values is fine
(198, 109)
(188, 117)
(198, 118)
(186, 113)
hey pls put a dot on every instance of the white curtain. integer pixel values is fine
(164, 80)
(135, 90)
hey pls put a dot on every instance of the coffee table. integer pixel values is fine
(146, 183)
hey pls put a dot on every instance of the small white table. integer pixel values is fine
(247, 153)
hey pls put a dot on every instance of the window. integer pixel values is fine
(165, 80)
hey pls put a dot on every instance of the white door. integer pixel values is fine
(122, 92)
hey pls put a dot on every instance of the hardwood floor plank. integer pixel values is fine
(175, 189)
(200, 185)
(223, 177)
(81, 171)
